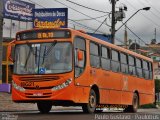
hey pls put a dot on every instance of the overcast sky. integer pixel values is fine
(143, 23)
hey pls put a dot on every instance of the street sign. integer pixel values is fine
(42, 70)
(18, 10)
(50, 18)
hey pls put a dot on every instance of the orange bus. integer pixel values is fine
(66, 67)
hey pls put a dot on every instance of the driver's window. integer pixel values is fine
(79, 45)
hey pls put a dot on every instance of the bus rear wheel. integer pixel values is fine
(44, 106)
(90, 107)
(135, 103)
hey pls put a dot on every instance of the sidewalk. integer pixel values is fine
(7, 105)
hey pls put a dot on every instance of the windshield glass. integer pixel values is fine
(43, 58)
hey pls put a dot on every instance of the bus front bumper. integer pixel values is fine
(48, 94)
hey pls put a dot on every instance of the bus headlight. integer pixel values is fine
(17, 87)
(63, 85)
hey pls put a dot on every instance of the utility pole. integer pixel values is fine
(126, 37)
(1, 37)
(155, 34)
(113, 2)
(135, 46)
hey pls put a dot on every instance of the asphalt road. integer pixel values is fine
(77, 114)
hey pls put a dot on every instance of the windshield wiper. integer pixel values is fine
(29, 54)
(50, 49)
(47, 51)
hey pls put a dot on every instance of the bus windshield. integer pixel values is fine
(43, 58)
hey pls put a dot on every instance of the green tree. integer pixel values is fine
(157, 86)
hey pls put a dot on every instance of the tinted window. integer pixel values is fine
(138, 63)
(145, 65)
(94, 55)
(131, 60)
(124, 63)
(145, 70)
(105, 52)
(150, 71)
(94, 49)
(79, 44)
(115, 55)
(139, 67)
(123, 58)
(115, 64)
(105, 61)
(150, 67)
(132, 69)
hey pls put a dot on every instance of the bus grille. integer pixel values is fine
(39, 79)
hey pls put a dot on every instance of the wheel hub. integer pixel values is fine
(135, 102)
(92, 101)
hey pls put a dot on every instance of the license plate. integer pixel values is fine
(37, 94)
(27, 84)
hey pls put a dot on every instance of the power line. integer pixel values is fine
(152, 6)
(149, 10)
(119, 40)
(79, 12)
(78, 24)
(85, 26)
(36, 3)
(92, 19)
(100, 25)
(135, 35)
(86, 7)
(142, 14)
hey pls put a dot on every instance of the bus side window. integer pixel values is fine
(150, 71)
(94, 55)
(105, 58)
(79, 44)
(124, 63)
(139, 67)
(132, 69)
(145, 69)
(115, 64)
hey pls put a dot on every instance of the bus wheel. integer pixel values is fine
(90, 107)
(98, 111)
(44, 106)
(135, 103)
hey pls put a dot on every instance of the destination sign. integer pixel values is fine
(43, 34)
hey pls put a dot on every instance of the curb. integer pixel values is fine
(17, 111)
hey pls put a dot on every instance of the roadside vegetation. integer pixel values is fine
(157, 90)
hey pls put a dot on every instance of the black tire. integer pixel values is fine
(98, 111)
(90, 107)
(135, 103)
(44, 106)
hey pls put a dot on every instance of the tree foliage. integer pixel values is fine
(157, 86)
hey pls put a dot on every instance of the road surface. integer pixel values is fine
(77, 114)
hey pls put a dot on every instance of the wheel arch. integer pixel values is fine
(96, 89)
(136, 91)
